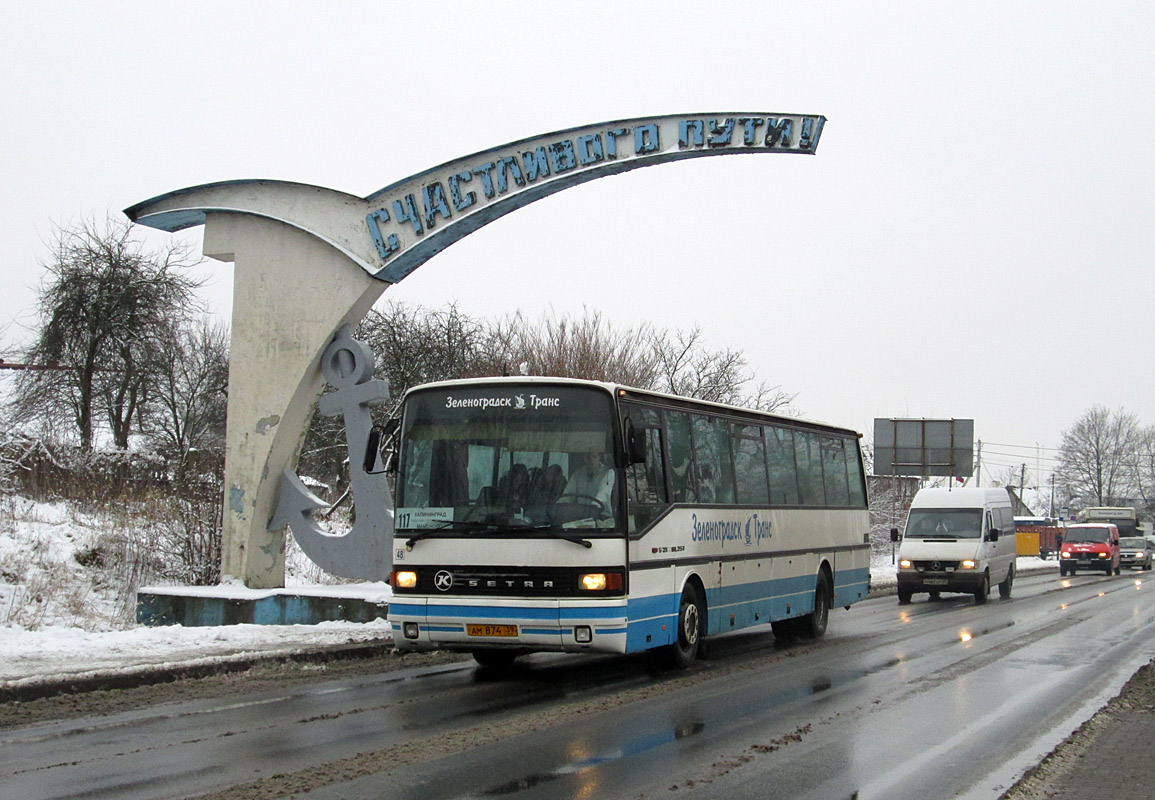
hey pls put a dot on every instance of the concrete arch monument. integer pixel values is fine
(309, 261)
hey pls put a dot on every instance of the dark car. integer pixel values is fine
(1135, 551)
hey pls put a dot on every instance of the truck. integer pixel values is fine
(1038, 536)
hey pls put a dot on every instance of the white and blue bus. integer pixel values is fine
(541, 514)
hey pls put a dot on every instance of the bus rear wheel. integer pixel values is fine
(691, 623)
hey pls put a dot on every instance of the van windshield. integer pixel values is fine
(1086, 535)
(1134, 542)
(945, 523)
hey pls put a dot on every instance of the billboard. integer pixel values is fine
(924, 447)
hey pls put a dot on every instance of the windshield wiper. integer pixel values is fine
(451, 525)
(569, 537)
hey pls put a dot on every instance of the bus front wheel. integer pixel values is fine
(495, 659)
(691, 622)
(813, 625)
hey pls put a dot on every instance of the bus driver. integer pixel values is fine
(590, 479)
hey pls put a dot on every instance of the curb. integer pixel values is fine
(23, 690)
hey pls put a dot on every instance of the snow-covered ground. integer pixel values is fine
(61, 618)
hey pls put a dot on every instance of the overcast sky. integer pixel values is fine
(972, 239)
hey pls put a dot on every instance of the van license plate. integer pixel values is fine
(935, 581)
(491, 630)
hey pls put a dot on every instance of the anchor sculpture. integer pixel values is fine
(363, 552)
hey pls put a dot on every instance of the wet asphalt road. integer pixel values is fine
(934, 699)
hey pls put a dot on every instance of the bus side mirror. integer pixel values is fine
(377, 434)
(636, 445)
(894, 537)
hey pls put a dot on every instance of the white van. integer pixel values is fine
(958, 540)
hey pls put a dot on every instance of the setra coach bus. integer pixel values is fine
(540, 514)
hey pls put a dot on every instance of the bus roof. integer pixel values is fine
(629, 392)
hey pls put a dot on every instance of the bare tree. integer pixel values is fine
(417, 345)
(105, 306)
(1097, 456)
(587, 347)
(1144, 468)
(413, 345)
(186, 407)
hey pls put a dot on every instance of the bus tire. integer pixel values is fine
(813, 625)
(691, 623)
(495, 659)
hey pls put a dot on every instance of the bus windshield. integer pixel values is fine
(508, 456)
(945, 523)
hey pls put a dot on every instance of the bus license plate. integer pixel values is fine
(491, 630)
(935, 581)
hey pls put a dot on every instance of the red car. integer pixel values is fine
(1092, 545)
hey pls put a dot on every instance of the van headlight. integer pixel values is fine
(967, 564)
(905, 563)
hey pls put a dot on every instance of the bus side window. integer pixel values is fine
(834, 471)
(712, 458)
(750, 479)
(682, 482)
(809, 457)
(783, 477)
(854, 474)
(646, 483)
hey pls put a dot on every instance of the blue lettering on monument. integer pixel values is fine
(561, 156)
(750, 127)
(485, 172)
(517, 167)
(779, 133)
(536, 164)
(385, 246)
(505, 167)
(690, 133)
(434, 195)
(589, 149)
(647, 139)
(612, 141)
(720, 135)
(460, 202)
(407, 213)
(807, 132)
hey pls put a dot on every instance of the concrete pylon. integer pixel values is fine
(291, 290)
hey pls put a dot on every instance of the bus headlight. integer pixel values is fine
(403, 579)
(967, 564)
(600, 581)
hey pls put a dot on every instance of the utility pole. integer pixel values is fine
(979, 464)
(1023, 485)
